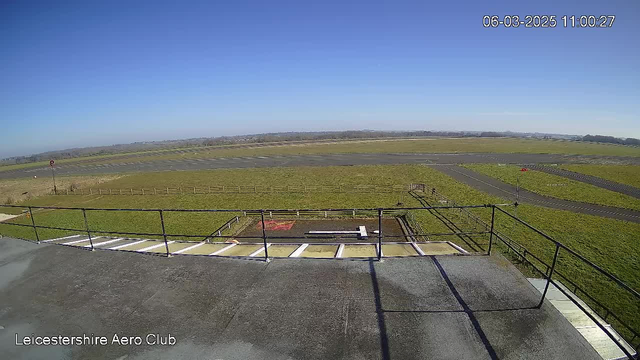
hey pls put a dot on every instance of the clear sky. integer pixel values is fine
(84, 73)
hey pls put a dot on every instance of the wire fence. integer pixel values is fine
(237, 189)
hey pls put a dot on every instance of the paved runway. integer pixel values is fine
(592, 180)
(506, 191)
(312, 160)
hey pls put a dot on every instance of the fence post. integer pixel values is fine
(33, 223)
(142, 191)
(90, 191)
(264, 237)
(194, 189)
(164, 233)
(109, 191)
(155, 191)
(86, 225)
(379, 234)
(553, 265)
(493, 216)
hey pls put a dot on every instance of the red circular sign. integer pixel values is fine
(51, 162)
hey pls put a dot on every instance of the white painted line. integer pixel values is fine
(189, 248)
(258, 251)
(223, 249)
(155, 246)
(457, 247)
(125, 245)
(105, 242)
(417, 248)
(76, 241)
(363, 232)
(340, 250)
(299, 250)
(62, 238)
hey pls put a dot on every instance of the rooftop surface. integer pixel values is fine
(435, 307)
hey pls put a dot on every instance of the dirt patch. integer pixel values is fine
(298, 230)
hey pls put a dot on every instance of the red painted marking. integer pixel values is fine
(524, 169)
(276, 224)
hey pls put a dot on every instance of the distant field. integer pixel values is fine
(17, 190)
(429, 145)
(556, 186)
(624, 174)
(609, 243)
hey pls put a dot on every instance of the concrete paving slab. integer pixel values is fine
(120, 243)
(438, 249)
(359, 251)
(320, 251)
(399, 250)
(276, 250)
(140, 245)
(206, 249)
(241, 250)
(173, 247)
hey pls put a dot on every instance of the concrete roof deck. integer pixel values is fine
(441, 307)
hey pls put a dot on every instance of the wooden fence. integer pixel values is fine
(240, 189)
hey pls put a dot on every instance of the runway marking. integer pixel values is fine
(258, 251)
(299, 250)
(340, 250)
(125, 245)
(76, 241)
(223, 249)
(105, 242)
(189, 248)
(155, 246)
(62, 238)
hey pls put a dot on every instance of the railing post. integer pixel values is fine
(493, 216)
(553, 265)
(379, 234)
(164, 233)
(264, 237)
(86, 225)
(33, 223)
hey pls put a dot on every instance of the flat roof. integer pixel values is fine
(437, 307)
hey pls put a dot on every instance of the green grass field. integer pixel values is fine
(422, 145)
(556, 186)
(610, 243)
(624, 174)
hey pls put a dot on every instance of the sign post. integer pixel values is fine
(53, 175)
(518, 189)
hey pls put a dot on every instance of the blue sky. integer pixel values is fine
(91, 73)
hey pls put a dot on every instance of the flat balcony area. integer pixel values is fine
(427, 307)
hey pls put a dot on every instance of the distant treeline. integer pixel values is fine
(289, 136)
(611, 139)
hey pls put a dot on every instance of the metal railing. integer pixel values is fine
(237, 189)
(551, 270)
(548, 273)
